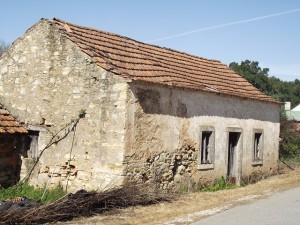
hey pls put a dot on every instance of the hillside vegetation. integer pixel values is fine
(280, 90)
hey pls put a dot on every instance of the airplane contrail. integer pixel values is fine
(223, 25)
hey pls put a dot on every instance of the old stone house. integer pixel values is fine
(12, 135)
(104, 109)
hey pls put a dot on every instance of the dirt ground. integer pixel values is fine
(192, 206)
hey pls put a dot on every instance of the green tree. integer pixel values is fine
(272, 86)
(255, 75)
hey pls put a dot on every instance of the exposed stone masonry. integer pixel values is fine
(166, 170)
(45, 81)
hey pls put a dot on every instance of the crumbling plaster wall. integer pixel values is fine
(163, 134)
(45, 80)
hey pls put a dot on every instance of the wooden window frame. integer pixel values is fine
(257, 147)
(207, 138)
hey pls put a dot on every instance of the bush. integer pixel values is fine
(289, 146)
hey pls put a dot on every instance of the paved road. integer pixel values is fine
(281, 208)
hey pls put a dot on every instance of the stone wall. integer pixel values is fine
(46, 81)
(166, 170)
(163, 135)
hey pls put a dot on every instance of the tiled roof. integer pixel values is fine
(296, 109)
(144, 62)
(8, 124)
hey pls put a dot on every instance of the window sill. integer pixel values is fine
(257, 163)
(206, 167)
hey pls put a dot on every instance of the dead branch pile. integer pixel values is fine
(83, 203)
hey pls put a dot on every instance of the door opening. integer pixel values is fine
(232, 168)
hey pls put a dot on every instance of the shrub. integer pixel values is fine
(289, 146)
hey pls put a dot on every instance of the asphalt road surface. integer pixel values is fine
(282, 208)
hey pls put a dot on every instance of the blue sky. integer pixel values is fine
(267, 31)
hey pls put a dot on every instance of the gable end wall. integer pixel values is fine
(45, 81)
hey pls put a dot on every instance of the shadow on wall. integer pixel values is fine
(188, 103)
(12, 147)
(10, 159)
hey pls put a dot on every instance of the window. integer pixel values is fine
(29, 145)
(207, 146)
(257, 147)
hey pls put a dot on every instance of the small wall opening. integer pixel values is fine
(207, 148)
(257, 148)
(29, 145)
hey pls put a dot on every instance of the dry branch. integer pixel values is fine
(83, 203)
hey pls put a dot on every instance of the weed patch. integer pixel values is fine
(30, 192)
(220, 184)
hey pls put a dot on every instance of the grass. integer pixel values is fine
(30, 192)
(221, 184)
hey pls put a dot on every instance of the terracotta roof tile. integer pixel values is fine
(8, 124)
(144, 62)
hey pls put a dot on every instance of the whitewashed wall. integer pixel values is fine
(166, 123)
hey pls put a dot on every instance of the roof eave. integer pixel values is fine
(204, 90)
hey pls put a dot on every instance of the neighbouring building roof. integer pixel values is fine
(144, 62)
(8, 124)
(293, 114)
(296, 109)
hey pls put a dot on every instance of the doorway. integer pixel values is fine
(232, 163)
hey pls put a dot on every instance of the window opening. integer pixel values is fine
(206, 147)
(257, 148)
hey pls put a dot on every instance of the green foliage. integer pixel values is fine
(187, 185)
(220, 184)
(289, 146)
(82, 113)
(25, 190)
(274, 87)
